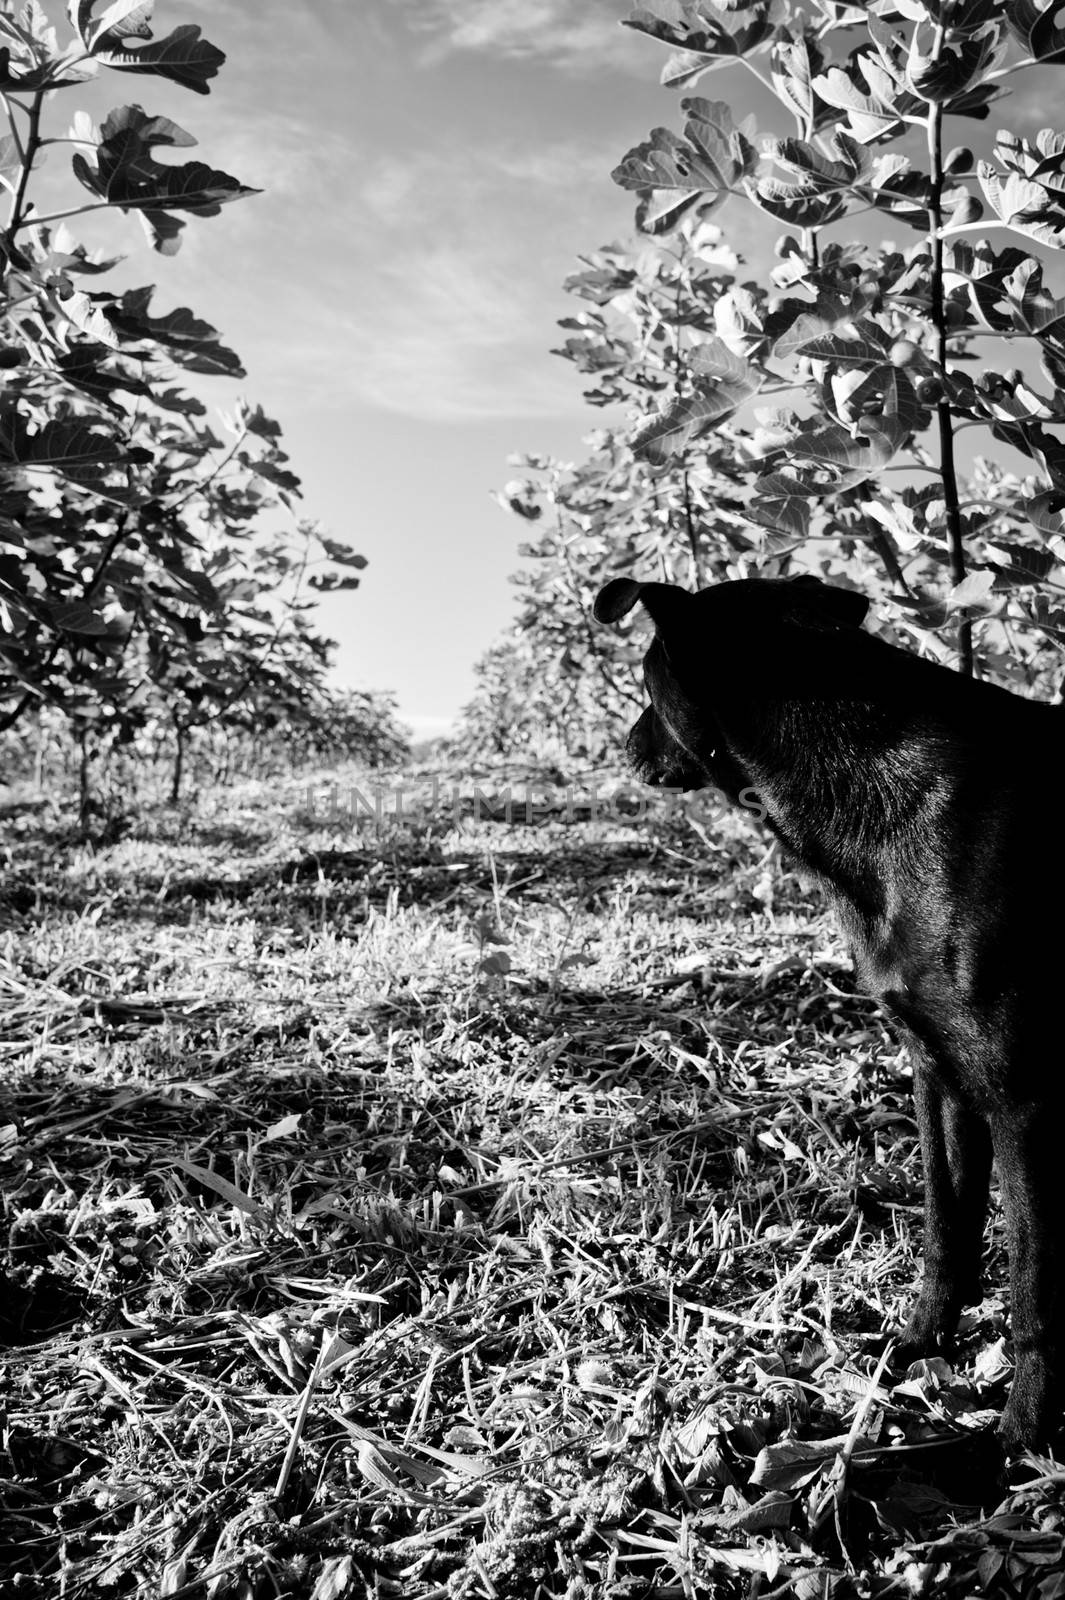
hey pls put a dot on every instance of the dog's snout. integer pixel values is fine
(640, 748)
(657, 759)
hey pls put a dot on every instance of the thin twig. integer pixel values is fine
(943, 408)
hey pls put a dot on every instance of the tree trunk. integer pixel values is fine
(181, 734)
(84, 781)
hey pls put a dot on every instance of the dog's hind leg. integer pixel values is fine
(1028, 1154)
(956, 1151)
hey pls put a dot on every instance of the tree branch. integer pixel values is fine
(944, 416)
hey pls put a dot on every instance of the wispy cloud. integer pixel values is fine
(451, 334)
(455, 188)
(558, 30)
(410, 243)
(445, 319)
(453, 315)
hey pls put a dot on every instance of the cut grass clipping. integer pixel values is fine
(442, 1207)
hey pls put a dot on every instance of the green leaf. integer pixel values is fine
(792, 66)
(711, 159)
(873, 391)
(660, 211)
(600, 282)
(591, 354)
(906, 195)
(902, 78)
(126, 174)
(782, 503)
(10, 163)
(198, 586)
(860, 343)
(80, 14)
(87, 314)
(1029, 195)
(271, 471)
(1032, 439)
(943, 79)
(178, 400)
(342, 554)
(30, 77)
(796, 205)
(328, 582)
(706, 34)
(674, 174)
(1024, 565)
(665, 161)
(132, 134)
(256, 421)
(190, 341)
(84, 366)
(793, 324)
(67, 445)
(898, 519)
(1034, 24)
(1031, 306)
(1020, 204)
(843, 171)
(182, 56)
(739, 320)
(720, 383)
(31, 33)
(792, 1463)
(1014, 401)
(973, 590)
(869, 117)
(684, 68)
(77, 616)
(962, 21)
(845, 165)
(1045, 512)
(125, 19)
(851, 457)
(59, 258)
(984, 273)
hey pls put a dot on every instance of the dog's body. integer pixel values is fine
(918, 797)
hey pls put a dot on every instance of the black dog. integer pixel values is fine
(923, 801)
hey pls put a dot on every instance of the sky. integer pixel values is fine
(431, 171)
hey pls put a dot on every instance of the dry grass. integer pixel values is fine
(468, 1211)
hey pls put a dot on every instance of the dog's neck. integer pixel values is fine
(839, 777)
(853, 755)
(844, 780)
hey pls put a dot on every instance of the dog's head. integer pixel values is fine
(754, 639)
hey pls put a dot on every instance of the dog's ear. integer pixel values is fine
(842, 607)
(616, 599)
(663, 601)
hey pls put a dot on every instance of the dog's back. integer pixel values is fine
(923, 801)
(933, 838)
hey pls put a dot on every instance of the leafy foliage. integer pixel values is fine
(127, 175)
(855, 476)
(149, 566)
(264, 735)
(296, 1111)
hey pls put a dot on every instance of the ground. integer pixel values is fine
(444, 1206)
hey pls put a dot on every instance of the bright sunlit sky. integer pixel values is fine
(431, 171)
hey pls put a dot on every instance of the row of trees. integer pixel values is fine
(153, 570)
(811, 422)
(263, 740)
